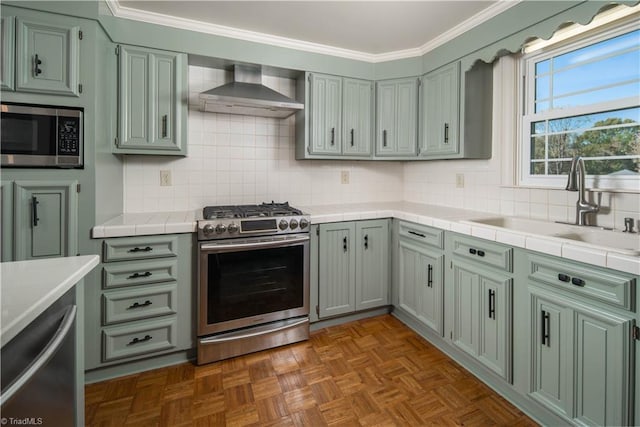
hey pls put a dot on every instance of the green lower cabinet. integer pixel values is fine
(420, 283)
(482, 316)
(45, 219)
(6, 210)
(353, 267)
(580, 360)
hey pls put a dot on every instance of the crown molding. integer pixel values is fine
(223, 31)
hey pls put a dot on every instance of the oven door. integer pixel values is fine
(245, 282)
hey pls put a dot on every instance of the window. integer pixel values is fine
(583, 99)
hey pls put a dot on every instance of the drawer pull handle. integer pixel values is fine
(137, 249)
(417, 234)
(578, 282)
(563, 277)
(430, 276)
(140, 340)
(138, 305)
(472, 251)
(138, 275)
(480, 253)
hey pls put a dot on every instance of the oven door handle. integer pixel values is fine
(233, 336)
(222, 247)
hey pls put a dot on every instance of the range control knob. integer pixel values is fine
(232, 228)
(207, 229)
(293, 224)
(283, 224)
(220, 228)
(304, 223)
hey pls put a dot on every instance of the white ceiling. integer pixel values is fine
(369, 28)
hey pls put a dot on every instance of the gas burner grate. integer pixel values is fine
(250, 211)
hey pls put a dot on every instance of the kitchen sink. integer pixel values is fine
(627, 243)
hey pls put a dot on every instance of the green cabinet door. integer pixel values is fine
(440, 101)
(326, 102)
(482, 316)
(396, 115)
(152, 109)
(45, 219)
(357, 125)
(580, 360)
(47, 57)
(372, 264)
(7, 55)
(6, 222)
(337, 269)
(421, 283)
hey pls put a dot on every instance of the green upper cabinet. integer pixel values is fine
(396, 117)
(340, 118)
(439, 98)
(152, 109)
(7, 56)
(47, 57)
(357, 123)
(325, 106)
(45, 217)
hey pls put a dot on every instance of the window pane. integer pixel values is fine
(543, 90)
(602, 95)
(589, 121)
(559, 168)
(561, 146)
(538, 148)
(538, 127)
(613, 166)
(543, 66)
(537, 169)
(605, 47)
(542, 106)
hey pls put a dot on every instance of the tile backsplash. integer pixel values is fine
(240, 159)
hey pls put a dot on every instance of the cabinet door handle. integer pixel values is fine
(164, 126)
(417, 234)
(352, 137)
(366, 241)
(145, 249)
(430, 275)
(577, 281)
(472, 251)
(36, 66)
(446, 133)
(344, 244)
(563, 277)
(138, 305)
(34, 210)
(492, 304)
(138, 275)
(140, 340)
(384, 138)
(545, 328)
(480, 253)
(333, 136)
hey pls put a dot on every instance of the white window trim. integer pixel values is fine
(526, 96)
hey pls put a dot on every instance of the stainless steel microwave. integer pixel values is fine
(36, 136)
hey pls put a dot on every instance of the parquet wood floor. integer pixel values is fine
(373, 372)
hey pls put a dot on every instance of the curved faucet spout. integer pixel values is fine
(576, 182)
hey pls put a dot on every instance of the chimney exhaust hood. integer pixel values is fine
(247, 96)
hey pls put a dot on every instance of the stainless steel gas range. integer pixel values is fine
(253, 279)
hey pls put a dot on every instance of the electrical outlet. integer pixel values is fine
(165, 178)
(344, 177)
(459, 180)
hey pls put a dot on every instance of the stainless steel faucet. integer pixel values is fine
(575, 183)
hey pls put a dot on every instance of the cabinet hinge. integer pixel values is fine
(318, 310)
(309, 149)
(635, 333)
(451, 265)
(77, 188)
(80, 88)
(80, 35)
(118, 50)
(451, 335)
(317, 231)
(115, 141)
(310, 75)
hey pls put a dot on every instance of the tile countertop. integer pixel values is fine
(443, 217)
(30, 287)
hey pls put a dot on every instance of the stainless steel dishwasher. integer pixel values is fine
(38, 374)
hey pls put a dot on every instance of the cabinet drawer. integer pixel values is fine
(139, 273)
(602, 285)
(130, 248)
(422, 234)
(135, 339)
(139, 303)
(483, 252)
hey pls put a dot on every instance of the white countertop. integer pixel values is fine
(443, 217)
(27, 288)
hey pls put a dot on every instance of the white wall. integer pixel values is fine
(237, 159)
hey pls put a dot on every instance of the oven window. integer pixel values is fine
(250, 283)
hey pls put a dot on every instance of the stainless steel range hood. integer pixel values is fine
(247, 96)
